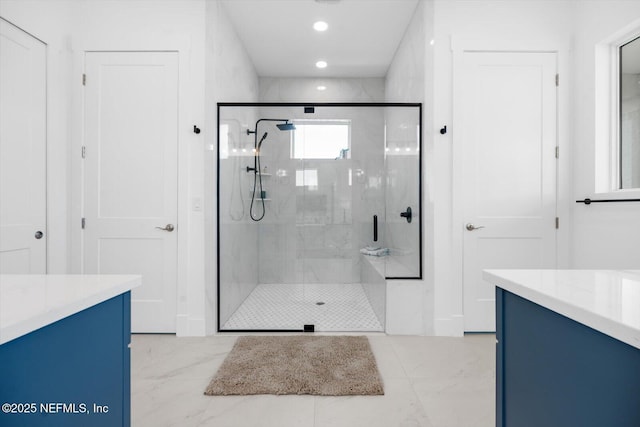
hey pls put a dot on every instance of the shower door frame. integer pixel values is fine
(309, 104)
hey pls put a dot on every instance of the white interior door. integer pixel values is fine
(23, 152)
(130, 167)
(506, 113)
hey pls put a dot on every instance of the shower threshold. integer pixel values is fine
(329, 307)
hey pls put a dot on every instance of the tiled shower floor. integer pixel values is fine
(291, 306)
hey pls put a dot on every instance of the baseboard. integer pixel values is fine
(189, 327)
(182, 322)
(449, 327)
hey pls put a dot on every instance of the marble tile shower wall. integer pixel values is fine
(313, 230)
(238, 233)
(402, 165)
(274, 89)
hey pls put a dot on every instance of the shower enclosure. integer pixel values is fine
(318, 205)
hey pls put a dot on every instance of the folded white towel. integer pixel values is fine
(375, 252)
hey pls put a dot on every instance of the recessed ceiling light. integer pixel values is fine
(321, 87)
(321, 64)
(320, 26)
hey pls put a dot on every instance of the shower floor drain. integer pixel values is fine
(320, 303)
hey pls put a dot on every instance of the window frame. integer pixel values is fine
(607, 173)
(617, 137)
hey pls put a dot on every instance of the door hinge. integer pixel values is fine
(84, 79)
(557, 223)
(84, 151)
(84, 223)
(557, 152)
(557, 79)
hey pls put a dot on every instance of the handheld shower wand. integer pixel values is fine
(257, 153)
(260, 143)
(256, 169)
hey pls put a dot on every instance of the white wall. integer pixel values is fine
(275, 89)
(605, 235)
(51, 22)
(517, 25)
(230, 77)
(177, 25)
(410, 302)
(409, 72)
(71, 27)
(598, 236)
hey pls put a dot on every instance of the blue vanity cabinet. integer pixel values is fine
(552, 371)
(74, 372)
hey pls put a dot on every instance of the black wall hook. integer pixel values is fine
(196, 129)
(443, 130)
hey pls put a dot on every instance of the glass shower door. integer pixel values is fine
(340, 210)
(403, 190)
(312, 221)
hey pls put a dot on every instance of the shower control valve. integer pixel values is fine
(249, 169)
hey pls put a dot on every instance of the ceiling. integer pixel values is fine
(361, 40)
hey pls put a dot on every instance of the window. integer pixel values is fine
(629, 114)
(321, 139)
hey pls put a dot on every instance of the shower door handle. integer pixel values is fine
(407, 214)
(375, 228)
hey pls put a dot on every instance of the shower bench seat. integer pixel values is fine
(64, 350)
(394, 293)
(389, 266)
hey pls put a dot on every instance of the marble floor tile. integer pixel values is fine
(164, 356)
(446, 357)
(428, 381)
(399, 406)
(454, 402)
(168, 402)
(260, 411)
(387, 360)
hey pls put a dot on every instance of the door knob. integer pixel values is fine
(472, 227)
(39, 234)
(168, 227)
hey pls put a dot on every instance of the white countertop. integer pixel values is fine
(605, 300)
(29, 302)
